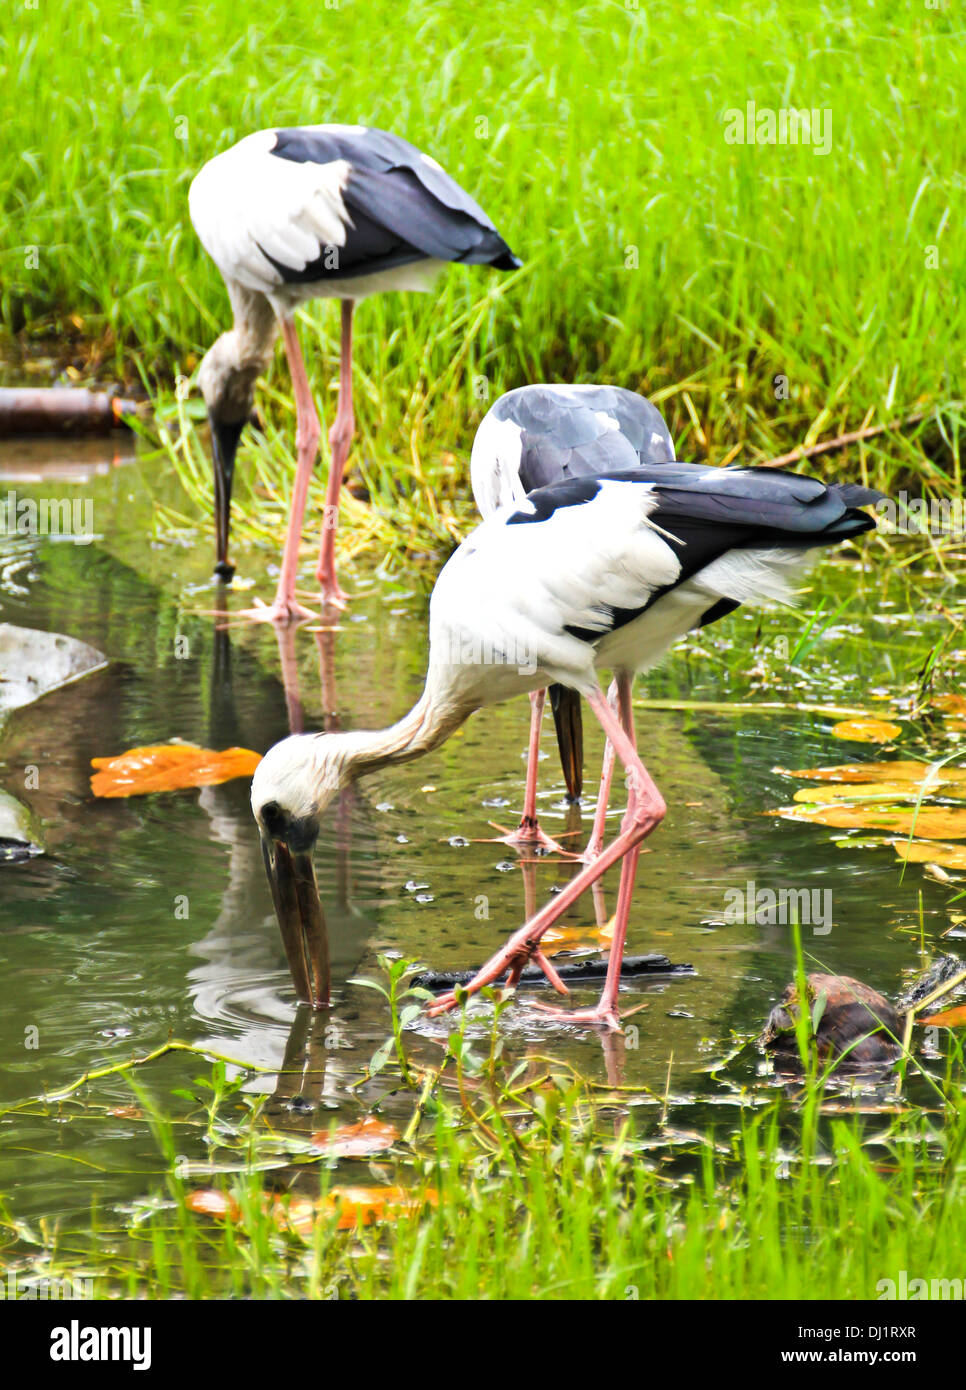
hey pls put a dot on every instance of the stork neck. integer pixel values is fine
(255, 328)
(429, 723)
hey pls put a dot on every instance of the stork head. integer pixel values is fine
(292, 785)
(228, 386)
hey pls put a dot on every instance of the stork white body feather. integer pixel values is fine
(524, 604)
(245, 202)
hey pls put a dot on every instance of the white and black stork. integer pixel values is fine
(588, 573)
(326, 211)
(529, 438)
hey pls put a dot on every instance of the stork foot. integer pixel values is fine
(331, 592)
(605, 1016)
(514, 957)
(529, 835)
(282, 612)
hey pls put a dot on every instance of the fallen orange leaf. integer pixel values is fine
(208, 1202)
(368, 1204)
(949, 704)
(867, 730)
(369, 1136)
(930, 852)
(929, 822)
(952, 1018)
(837, 792)
(352, 1205)
(877, 772)
(165, 767)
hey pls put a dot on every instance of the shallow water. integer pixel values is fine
(150, 917)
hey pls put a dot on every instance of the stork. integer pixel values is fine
(326, 211)
(529, 438)
(591, 572)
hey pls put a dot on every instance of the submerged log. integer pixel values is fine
(61, 410)
(588, 971)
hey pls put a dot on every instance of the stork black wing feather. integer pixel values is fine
(394, 190)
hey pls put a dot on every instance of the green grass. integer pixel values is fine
(527, 1181)
(657, 255)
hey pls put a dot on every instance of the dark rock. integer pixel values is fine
(856, 1023)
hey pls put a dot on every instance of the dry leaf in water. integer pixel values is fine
(850, 791)
(368, 1136)
(929, 852)
(165, 767)
(952, 708)
(867, 730)
(353, 1206)
(928, 822)
(208, 1202)
(879, 772)
(952, 1018)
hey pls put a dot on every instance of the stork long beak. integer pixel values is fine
(225, 435)
(295, 893)
(568, 721)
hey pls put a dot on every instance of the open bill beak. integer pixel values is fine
(225, 435)
(300, 919)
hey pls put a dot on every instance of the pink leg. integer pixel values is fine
(607, 1006)
(596, 842)
(325, 642)
(285, 637)
(286, 607)
(645, 810)
(528, 833)
(340, 439)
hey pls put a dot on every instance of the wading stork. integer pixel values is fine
(588, 573)
(529, 438)
(326, 211)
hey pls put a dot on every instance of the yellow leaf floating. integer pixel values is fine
(930, 852)
(846, 791)
(166, 767)
(852, 796)
(952, 708)
(557, 939)
(879, 772)
(929, 822)
(867, 730)
(949, 704)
